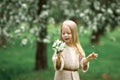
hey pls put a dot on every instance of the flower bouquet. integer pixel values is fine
(58, 46)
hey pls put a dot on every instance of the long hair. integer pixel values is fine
(75, 40)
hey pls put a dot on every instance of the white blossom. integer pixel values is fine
(118, 10)
(110, 11)
(46, 40)
(24, 41)
(17, 31)
(81, 14)
(58, 46)
(23, 28)
(24, 5)
(32, 30)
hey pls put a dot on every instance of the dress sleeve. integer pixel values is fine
(58, 62)
(84, 68)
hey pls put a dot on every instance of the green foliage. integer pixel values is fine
(101, 13)
(95, 14)
(13, 15)
(14, 12)
(20, 19)
(26, 34)
(61, 10)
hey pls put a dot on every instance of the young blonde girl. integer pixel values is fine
(72, 58)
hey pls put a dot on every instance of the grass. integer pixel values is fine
(17, 62)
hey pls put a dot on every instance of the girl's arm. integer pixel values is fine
(84, 62)
(92, 56)
(58, 61)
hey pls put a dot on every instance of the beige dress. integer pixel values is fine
(69, 60)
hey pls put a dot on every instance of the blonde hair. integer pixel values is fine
(75, 40)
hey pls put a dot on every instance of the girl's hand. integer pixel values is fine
(92, 56)
(59, 55)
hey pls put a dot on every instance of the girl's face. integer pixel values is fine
(66, 35)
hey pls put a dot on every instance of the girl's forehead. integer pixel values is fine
(65, 28)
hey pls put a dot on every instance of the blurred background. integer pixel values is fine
(29, 27)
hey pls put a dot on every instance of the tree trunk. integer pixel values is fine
(41, 52)
(41, 57)
(2, 41)
(95, 39)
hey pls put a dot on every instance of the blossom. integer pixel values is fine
(24, 41)
(58, 46)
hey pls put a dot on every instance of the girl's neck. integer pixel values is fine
(69, 45)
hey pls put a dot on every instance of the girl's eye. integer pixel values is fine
(68, 33)
(63, 33)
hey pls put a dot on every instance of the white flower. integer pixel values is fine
(32, 30)
(24, 5)
(24, 41)
(23, 28)
(58, 46)
(17, 31)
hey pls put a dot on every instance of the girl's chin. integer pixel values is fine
(67, 42)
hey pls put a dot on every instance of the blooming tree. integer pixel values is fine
(98, 15)
(25, 20)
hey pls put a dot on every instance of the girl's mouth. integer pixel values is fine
(66, 38)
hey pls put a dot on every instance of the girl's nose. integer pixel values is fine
(66, 34)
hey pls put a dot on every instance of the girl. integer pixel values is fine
(72, 58)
